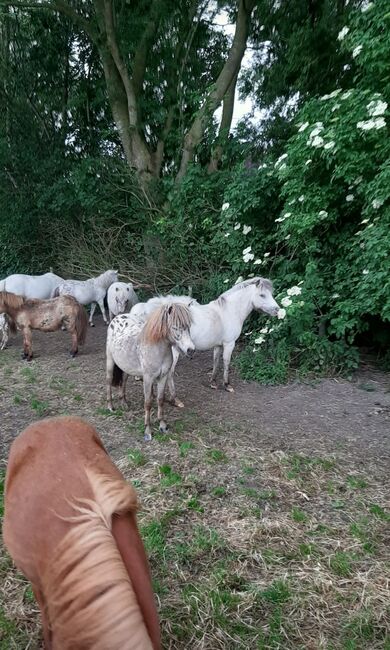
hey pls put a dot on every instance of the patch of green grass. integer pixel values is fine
(307, 550)
(362, 630)
(107, 413)
(40, 407)
(356, 482)
(299, 465)
(277, 592)
(247, 469)
(370, 388)
(218, 491)
(154, 537)
(298, 515)
(29, 374)
(11, 636)
(18, 400)
(216, 456)
(206, 539)
(185, 447)
(136, 457)
(78, 398)
(169, 477)
(194, 504)
(379, 512)
(341, 564)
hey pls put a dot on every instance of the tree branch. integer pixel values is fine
(224, 127)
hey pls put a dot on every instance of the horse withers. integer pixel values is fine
(139, 348)
(76, 539)
(44, 315)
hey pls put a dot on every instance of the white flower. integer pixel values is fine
(324, 97)
(317, 141)
(336, 295)
(246, 229)
(287, 237)
(291, 202)
(239, 279)
(237, 226)
(358, 180)
(287, 215)
(303, 127)
(301, 198)
(335, 107)
(257, 262)
(359, 232)
(286, 302)
(226, 281)
(247, 250)
(379, 123)
(271, 329)
(279, 160)
(267, 254)
(365, 272)
(225, 206)
(282, 166)
(294, 291)
(279, 220)
(370, 225)
(357, 51)
(227, 234)
(342, 34)
(281, 314)
(308, 161)
(365, 221)
(248, 257)
(335, 93)
(329, 145)
(366, 6)
(259, 340)
(347, 94)
(376, 107)
(322, 214)
(316, 131)
(349, 198)
(376, 204)
(264, 330)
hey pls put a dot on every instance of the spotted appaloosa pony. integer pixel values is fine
(44, 315)
(70, 527)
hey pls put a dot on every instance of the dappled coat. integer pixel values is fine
(70, 527)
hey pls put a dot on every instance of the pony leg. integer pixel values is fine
(148, 392)
(160, 402)
(4, 340)
(91, 313)
(101, 305)
(227, 353)
(122, 392)
(27, 344)
(109, 375)
(216, 356)
(171, 384)
(75, 347)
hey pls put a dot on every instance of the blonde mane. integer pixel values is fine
(161, 321)
(90, 598)
(11, 300)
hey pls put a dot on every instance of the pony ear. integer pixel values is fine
(116, 288)
(259, 282)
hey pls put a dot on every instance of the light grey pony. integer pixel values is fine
(145, 348)
(219, 323)
(89, 292)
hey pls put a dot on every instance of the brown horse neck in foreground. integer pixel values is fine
(45, 315)
(70, 526)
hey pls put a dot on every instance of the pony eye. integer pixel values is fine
(262, 295)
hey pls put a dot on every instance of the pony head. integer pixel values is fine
(262, 297)
(122, 294)
(170, 322)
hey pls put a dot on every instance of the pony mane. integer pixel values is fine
(169, 299)
(11, 300)
(267, 284)
(163, 319)
(90, 598)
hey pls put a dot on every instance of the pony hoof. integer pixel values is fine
(148, 437)
(229, 388)
(73, 354)
(92, 325)
(213, 385)
(177, 402)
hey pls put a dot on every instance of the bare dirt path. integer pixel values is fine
(327, 416)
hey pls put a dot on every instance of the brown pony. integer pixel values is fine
(70, 526)
(44, 315)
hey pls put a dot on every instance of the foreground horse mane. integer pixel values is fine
(163, 319)
(11, 300)
(89, 607)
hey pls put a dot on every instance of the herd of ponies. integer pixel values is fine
(75, 537)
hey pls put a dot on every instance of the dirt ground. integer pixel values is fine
(265, 513)
(325, 416)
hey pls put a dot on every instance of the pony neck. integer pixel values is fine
(240, 303)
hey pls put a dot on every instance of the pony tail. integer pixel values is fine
(11, 324)
(117, 376)
(81, 324)
(56, 292)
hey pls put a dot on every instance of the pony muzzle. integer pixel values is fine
(190, 352)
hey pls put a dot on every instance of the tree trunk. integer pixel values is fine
(225, 78)
(224, 127)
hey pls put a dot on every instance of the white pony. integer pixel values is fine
(39, 287)
(120, 298)
(89, 292)
(136, 347)
(4, 330)
(218, 324)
